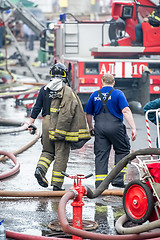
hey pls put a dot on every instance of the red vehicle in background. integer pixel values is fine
(90, 49)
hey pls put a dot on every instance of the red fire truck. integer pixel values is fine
(90, 49)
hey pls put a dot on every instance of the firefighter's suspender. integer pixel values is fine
(104, 102)
(47, 101)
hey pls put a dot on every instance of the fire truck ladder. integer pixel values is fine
(71, 31)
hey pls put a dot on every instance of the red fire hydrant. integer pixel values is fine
(77, 203)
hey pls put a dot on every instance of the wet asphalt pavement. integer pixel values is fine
(33, 215)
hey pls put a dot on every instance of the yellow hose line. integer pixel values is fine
(25, 147)
(114, 192)
(12, 94)
(34, 83)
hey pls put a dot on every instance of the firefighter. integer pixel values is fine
(108, 106)
(1, 58)
(153, 20)
(51, 42)
(2, 33)
(63, 123)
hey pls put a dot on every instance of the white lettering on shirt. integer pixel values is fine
(104, 96)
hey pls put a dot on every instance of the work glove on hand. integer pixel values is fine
(32, 129)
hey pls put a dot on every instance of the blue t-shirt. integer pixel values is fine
(115, 104)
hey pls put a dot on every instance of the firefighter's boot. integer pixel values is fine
(118, 181)
(40, 175)
(55, 188)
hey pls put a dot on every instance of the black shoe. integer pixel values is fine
(119, 185)
(40, 175)
(55, 188)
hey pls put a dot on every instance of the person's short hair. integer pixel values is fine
(108, 78)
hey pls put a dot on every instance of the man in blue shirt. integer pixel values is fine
(108, 106)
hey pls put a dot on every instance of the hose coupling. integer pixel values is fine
(75, 193)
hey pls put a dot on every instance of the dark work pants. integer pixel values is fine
(109, 131)
(57, 151)
(139, 33)
(31, 42)
(1, 36)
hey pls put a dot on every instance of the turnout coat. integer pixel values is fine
(68, 120)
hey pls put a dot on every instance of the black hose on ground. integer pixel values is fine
(118, 167)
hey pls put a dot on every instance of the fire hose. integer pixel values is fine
(13, 130)
(8, 122)
(12, 171)
(118, 167)
(22, 236)
(87, 235)
(138, 229)
(131, 232)
(90, 235)
(25, 147)
(113, 192)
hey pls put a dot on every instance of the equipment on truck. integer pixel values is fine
(81, 45)
(125, 16)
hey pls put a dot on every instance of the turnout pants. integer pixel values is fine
(109, 131)
(57, 151)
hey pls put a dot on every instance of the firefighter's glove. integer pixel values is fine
(92, 132)
(32, 128)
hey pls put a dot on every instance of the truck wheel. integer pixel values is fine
(137, 201)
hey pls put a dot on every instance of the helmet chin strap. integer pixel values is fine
(55, 84)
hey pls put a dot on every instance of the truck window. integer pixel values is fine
(91, 68)
(155, 68)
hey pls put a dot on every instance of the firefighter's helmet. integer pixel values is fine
(59, 70)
